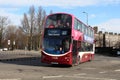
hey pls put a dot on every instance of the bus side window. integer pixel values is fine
(83, 28)
(79, 26)
(75, 24)
(82, 46)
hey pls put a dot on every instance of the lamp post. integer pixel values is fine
(86, 17)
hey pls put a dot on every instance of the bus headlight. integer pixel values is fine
(67, 58)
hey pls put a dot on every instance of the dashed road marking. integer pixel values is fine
(103, 72)
(117, 70)
(77, 76)
(90, 78)
(12, 79)
(90, 68)
(57, 76)
(81, 74)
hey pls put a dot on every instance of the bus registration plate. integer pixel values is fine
(54, 62)
(54, 57)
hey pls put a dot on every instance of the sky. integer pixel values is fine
(102, 13)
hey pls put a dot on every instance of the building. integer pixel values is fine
(107, 39)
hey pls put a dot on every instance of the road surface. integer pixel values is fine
(29, 67)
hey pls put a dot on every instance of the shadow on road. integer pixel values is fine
(31, 61)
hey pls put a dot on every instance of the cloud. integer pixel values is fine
(92, 16)
(112, 25)
(13, 17)
(10, 7)
(59, 3)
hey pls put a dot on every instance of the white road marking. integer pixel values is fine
(117, 70)
(90, 78)
(103, 72)
(81, 74)
(90, 68)
(57, 76)
(11, 79)
(77, 76)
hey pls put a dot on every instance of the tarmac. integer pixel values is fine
(18, 54)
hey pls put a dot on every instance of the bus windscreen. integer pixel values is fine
(56, 46)
(58, 21)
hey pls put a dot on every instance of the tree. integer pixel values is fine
(21, 39)
(51, 11)
(3, 23)
(40, 22)
(32, 26)
(28, 24)
(10, 35)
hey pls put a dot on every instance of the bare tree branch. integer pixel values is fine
(3, 23)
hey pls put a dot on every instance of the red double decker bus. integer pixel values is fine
(66, 40)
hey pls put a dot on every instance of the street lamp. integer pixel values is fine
(86, 17)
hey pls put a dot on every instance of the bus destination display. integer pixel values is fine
(57, 32)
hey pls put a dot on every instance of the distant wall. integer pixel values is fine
(107, 39)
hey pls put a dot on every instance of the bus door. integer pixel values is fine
(74, 52)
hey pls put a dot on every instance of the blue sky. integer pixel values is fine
(102, 13)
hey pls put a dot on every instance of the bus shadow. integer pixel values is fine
(28, 61)
(60, 66)
(31, 61)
